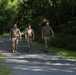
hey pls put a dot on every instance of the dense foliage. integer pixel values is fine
(60, 13)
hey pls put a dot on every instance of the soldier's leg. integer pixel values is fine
(28, 44)
(16, 45)
(46, 43)
(13, 45)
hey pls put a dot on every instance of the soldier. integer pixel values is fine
(46, 33)
(29, 36)
(14, 37)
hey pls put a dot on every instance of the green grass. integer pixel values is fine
(0, 55)
(4, 70)
(68, 53)
(5, 34)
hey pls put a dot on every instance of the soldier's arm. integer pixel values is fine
(25, 35)
(42, 33)
(20, 34)
(52, 32)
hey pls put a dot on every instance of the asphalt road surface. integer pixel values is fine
(37, 62)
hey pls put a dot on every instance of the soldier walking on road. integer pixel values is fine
(14, 37)
(46, 33)
(29, 36)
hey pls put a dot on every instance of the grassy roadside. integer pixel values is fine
(4, 70)
(68, 53)
(5, 34)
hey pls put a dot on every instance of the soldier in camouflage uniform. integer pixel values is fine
(14, 37)
(29, 36)
(46, 33)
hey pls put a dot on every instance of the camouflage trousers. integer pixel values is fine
(47, 42)
(14, 43)
(29, 42)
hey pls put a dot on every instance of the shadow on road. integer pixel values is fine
(37, 62)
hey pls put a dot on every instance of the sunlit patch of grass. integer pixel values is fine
(0, 55)
(5, 34)
(4, 70)
(40, 45)
(68, 53)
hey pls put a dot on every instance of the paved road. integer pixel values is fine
(37, 62)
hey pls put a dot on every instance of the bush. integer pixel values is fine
(64, 41)
(61, 40)
(71, 42)
(38, 38)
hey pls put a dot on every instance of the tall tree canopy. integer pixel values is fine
(60, 13)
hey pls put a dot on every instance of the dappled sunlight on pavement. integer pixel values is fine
(37, 62)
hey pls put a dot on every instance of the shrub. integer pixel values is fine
(61, 40)
(64, 41)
